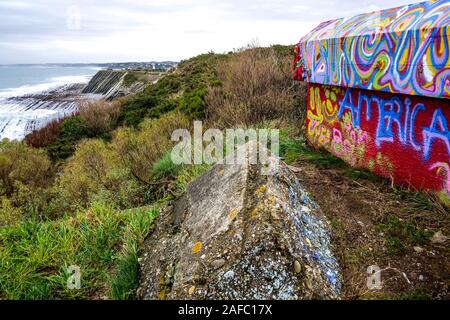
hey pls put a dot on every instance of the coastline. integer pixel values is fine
(20, 115)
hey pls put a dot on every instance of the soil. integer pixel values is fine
(375, 223)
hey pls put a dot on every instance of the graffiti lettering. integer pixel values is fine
(405, 138)
(396, 120)
(437, 130)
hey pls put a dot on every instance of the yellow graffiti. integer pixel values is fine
(321, 110)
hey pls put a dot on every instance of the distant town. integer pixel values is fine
(164, 65)
(151, 65)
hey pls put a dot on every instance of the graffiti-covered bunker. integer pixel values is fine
(379, 90)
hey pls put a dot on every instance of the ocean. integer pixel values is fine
(24, 105)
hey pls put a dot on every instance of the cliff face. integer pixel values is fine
(111, 84)
(105, 82)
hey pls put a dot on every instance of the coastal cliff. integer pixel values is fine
(111, 84)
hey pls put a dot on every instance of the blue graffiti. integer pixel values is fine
(347, 104)
(419, 107)
(437, 130)
(397, 119)
(390, 113)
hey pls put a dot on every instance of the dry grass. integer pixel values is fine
(256, 86)
(100, 116)
(46, 135)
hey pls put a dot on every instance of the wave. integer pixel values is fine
(51, 83)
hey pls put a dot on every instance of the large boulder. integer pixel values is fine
(239, 234)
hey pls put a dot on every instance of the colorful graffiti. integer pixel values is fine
(406, 138)
(401, 50)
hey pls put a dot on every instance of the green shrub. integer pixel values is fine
(20, 163)
(8, 213)
(96, 173)
(74, 128)
(193, 103)
(140, 149)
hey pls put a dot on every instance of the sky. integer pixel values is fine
(88, 31)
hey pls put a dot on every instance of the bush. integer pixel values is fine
(94, 119)
(140, 149)
(100, 116)
(9, 214)
(256, 86)
(193, 103)
(20, 163)
(135, 110)
(95, 173)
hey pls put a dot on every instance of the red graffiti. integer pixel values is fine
(406, 138)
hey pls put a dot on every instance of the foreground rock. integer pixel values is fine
(238, 234)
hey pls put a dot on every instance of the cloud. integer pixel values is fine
(113, 30)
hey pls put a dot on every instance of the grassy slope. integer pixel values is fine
(103, 242)
(34, 256)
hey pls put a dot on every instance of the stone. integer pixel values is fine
(297, 266)
(418, 249)
(229, 274)
(218, 263)
(263, 262)
(438, 238)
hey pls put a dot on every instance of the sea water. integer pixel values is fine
(17, 118)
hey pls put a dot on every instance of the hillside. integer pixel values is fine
(84, 190)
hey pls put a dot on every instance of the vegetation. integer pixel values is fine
(35, 256)
(93, 120)
(84, 189)
(400, 234)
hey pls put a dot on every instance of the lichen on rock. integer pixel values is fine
(261, 236)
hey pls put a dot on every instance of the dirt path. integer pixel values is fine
(376, 224)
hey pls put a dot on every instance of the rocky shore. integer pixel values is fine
(21, 115)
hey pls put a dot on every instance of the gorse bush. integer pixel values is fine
(95, 172)
(21, 164)
(9, 214)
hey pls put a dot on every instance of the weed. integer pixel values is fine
(400, 234)
(101, 241)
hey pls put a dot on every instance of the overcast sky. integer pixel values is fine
(41, 31)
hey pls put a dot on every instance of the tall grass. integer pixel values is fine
(34, 256)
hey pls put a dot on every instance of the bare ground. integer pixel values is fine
(375, 223)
